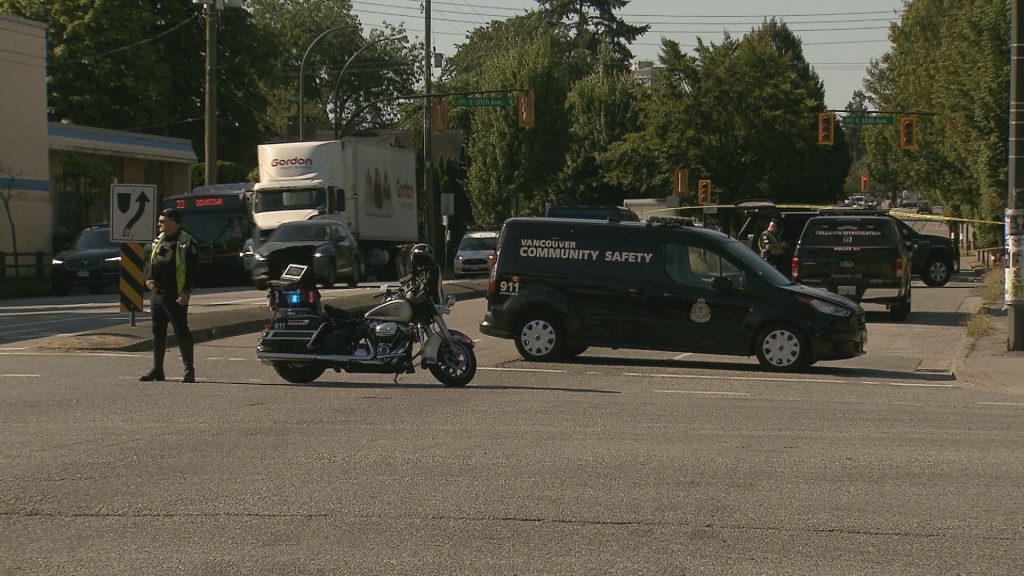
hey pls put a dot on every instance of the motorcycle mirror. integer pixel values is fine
(449, 300)
(383, 288)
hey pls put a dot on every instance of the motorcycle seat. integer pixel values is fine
(340, 315)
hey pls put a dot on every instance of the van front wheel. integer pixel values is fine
(540, 338)
(780, 347)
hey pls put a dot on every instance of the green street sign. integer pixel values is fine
(866, 120)
(479, 101)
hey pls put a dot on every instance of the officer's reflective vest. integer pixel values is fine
(767, 237)
(184, 239)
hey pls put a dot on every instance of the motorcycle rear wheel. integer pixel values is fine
(456, 364)
(298, 372)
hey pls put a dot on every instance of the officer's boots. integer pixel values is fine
(157, 373)
(187, 348)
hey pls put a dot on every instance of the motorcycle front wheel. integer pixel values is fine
(298, 373)
(456, 364)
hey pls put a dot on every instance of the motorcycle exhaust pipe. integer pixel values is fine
(332, 358)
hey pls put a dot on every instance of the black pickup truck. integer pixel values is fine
(865, 258)
(934, 258)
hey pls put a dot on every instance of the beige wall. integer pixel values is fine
(23, 135)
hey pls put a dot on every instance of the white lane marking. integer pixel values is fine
(805, 380)
(681, 356)
(19, 375)
(229, 359)
(740, 378)
(593, 372)
(497, 369)
(73, 353)
(1002, 403)
(65, 320)
(710, 392)
(12, 349)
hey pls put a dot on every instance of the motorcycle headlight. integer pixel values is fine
(828, 307)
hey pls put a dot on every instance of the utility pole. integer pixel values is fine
(212, 11)
(1015, 194)
(430, 226)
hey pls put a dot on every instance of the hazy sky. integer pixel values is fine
(839, 37)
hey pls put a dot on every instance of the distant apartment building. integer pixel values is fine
(646, 73)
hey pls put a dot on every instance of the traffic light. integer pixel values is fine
(439, 122)
(908, 132)
(526, 112)
(863, 184)
(682, 182)
(704, 192)
(826, 128)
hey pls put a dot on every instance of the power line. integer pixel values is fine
(130, 46)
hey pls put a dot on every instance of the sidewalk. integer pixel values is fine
(985, 361)
(211, 325)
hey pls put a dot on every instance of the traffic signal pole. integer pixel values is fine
(1015, 194)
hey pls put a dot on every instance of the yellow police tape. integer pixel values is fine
(901, 213)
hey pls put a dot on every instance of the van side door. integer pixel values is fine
(694, 312)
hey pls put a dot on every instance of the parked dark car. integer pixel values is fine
(325, 245)
(935, 257)
(559, 286)
(93, 261)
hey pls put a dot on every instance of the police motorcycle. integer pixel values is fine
(305, 337)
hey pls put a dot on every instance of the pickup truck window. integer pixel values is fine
(837, 234)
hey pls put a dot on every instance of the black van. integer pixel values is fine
(559, 286)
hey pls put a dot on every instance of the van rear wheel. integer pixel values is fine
(540, 338)
(780, 347)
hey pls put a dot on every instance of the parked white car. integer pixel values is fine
(475, 253)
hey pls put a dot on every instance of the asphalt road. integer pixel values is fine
(621, 463)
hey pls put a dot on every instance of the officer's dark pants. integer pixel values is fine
(165, 310)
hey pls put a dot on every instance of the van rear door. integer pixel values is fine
(848, 256)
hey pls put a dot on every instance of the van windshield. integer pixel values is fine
(478, 244)
(291, 199)
(763, 269)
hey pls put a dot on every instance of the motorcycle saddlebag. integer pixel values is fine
(292, 332)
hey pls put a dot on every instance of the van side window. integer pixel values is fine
(677, 264)
(695, 266)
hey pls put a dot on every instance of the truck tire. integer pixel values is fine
(938, 271)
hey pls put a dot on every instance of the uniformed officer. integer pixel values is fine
(772, 246)
(170, 276)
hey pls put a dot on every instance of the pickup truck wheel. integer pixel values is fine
(781, 347)
(938, 271)
(899, 312)
(539, 338)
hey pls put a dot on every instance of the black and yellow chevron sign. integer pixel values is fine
(132, 279)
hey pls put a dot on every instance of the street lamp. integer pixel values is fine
(302, 72)
(337, 83)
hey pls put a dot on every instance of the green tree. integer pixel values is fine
(594, 23)
(385, 69)
(950, 62)
(602, 108)
(512, 170)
